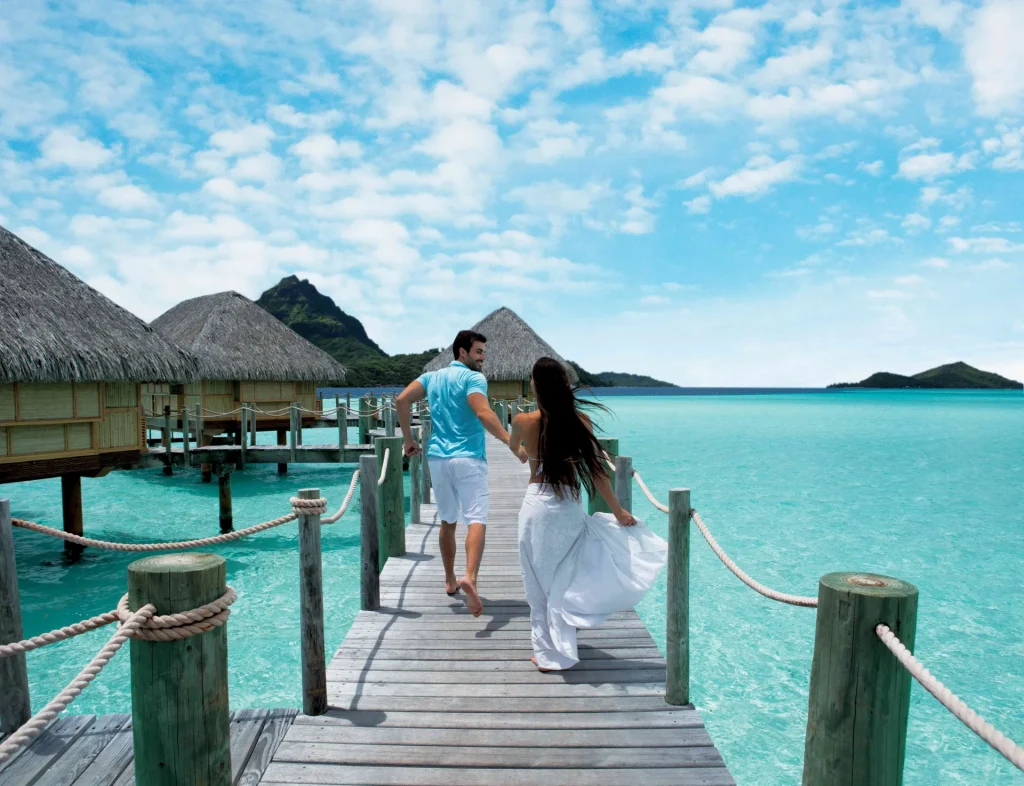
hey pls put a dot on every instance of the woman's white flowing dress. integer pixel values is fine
(578, 570)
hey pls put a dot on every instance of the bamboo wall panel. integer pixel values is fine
(218, 387)
(87, 396)
(3, 442)
(45, 401)
(305, 389)
(79, 436)
(7, 402)
(120, 429)
(270, 391)
(219, 403)
(120, 394)
(27, 440)
(156, 396)
(505, 389)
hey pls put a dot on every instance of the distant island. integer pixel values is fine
(319, 320)
(951, 376)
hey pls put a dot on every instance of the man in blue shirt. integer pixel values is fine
(459, 414)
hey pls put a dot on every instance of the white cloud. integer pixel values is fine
(1010, 149)
(468, 141)
(184, 226)
(253, 138)
(944, 15)
(699, 205)
(550, 140)
(35, 237)
(995, 57)
(227, 189)
(698, 179)
(67, 147)
(655, 300)
(984, 245)
(575, 17)
(909, 280)
(758, 177)
(728, 47)
(319, 151)
(915, 222)
(289, 116)
(793, 65)
(638, 219)
(939, 263)
(127, 198)
(929, 166)
(262, 167)
(875, 168)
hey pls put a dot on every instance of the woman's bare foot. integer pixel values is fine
(542, 671)
(473, 602)
(451, 585)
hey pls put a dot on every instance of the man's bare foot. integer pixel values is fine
(451, 585)
(542, 671)
(473, 602)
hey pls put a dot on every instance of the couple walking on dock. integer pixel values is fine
(577, 569)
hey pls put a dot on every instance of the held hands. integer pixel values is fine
(410, 448)
(625, 518)
(523, 457)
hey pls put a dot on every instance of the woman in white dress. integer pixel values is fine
(577, 569)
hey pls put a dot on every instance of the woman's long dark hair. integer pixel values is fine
(571, 455)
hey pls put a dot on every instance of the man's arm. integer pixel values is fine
(515, 437)
(478, 403)
(413, 392)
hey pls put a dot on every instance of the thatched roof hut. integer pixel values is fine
(233, 338)
(512, 349)
(56, 328)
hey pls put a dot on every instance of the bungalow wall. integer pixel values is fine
(43, 421)
(217, 396)
(508, 389)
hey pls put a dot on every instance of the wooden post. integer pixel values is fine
(369, 542)
(342, 431)
(389, 422)
(677, 633)
(415, 482)
(611, 447)
(71, 504)
(624, 482)
(227, 523)
(282, 439)
(186, 437)
(860, 694)
(391, 499)
(168, 465)
(15, 705)
(243, 447)
(293, 431)
(311, 596)
(364, 420)
(252, 425)
(425, 430)
(180, 721)
(206, 470)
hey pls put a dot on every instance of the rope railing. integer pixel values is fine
(1000, 742)
(298, 506)
(384, 467)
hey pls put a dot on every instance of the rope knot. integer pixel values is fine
(307, 506)
(171, 627)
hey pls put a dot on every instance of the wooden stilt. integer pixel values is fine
(227, 523)
(71, 501)
(15, 707)
(282, 440)
(168, 464)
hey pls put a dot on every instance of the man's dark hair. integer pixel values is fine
(464, 340)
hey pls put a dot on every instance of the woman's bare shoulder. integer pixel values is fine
(527, 418)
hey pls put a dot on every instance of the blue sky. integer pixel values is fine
(717, 193)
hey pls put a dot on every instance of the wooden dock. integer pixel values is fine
(96, 750)
(423, 693)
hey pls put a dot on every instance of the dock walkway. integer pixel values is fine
(423, 693)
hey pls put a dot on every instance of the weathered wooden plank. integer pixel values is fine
(554, 689)
(665, 718)
(433, 677)
(112, 761)
(274, 729)
(519, 650)
(44, 750)
(498, 756)
(486, 666)
(511, 738)
(246, 726)
(343, 775)
(80, 754)
(348, 700)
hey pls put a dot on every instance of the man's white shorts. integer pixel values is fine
(460, 488)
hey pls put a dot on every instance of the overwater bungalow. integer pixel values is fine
(512, 349)
(72, 364)
(245, 355)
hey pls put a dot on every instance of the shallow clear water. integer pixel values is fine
(928, 487)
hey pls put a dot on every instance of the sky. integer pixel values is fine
(781, 193)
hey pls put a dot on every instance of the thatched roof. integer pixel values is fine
(512, 348)
(56, 328)
(233, 338)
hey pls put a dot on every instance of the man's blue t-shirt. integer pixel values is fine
(456, 431)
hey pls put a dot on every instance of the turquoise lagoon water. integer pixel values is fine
(928, 487)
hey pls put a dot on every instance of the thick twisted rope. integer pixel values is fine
(384, 465)
(647, 492)
(782, 597)
(182, 625)
(345, 503)
(972, 720)
(61, 634)
(41, 719)
(300, 506)
(172, 546)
